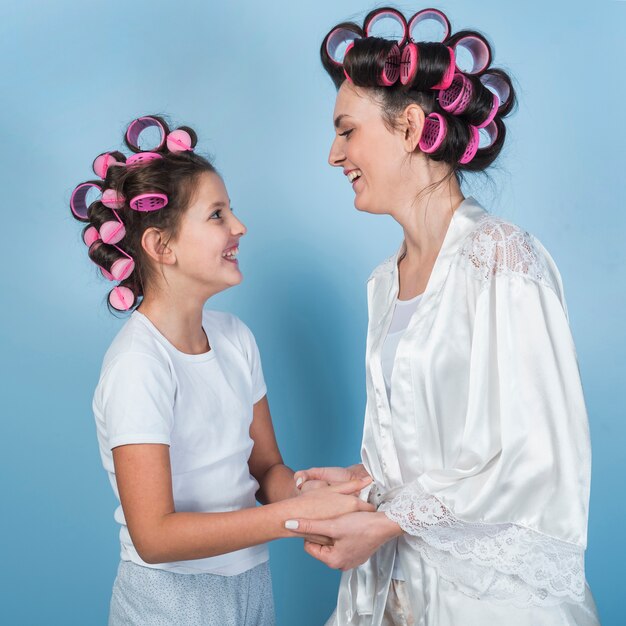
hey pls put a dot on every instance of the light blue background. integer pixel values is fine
(246, 75)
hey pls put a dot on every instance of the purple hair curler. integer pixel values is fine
(433, 133)
(409, 63)
(142, 157)
(495, 105)
(428, 15)
(148, 202)
(335, 39)
(121, 298)
(391, 70)
(478, 49)
(457, 96)
(472, 146)
(112, 199)
(448, 76)
(498, 86)
(376, 16)
(78, 201)
(103, 162)
(136, 127)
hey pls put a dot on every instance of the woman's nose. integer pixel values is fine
(336, 156)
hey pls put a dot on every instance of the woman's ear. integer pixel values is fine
(154, 243)
(412, 123)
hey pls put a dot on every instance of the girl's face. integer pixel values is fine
(207, 243)
(373, 157)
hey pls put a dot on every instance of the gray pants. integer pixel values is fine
(143, 596)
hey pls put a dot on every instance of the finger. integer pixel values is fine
(321, 540)
(352, 486)
(321, 553)
(310, 527)
(366, 506)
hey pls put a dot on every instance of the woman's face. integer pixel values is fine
(373, 158)
(207, 243)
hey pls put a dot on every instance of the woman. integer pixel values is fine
(475, 430)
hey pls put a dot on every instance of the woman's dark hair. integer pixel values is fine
(175, 175)
(365, 61)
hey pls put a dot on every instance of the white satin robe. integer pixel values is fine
(482, 454)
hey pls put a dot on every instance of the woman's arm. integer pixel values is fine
(161, 534)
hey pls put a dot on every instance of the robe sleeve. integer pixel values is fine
(508, 519)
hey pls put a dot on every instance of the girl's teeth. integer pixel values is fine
(231, 253)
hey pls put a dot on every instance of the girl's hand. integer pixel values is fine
(355, 536)
(317, 477)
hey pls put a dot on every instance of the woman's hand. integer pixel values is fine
(316, 477)
(355, 536)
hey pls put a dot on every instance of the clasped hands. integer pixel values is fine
(348, 539)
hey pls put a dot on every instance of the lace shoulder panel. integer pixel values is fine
(497, 247)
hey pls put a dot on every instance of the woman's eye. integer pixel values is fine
(346, 133)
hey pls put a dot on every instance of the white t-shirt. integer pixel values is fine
(198, 404)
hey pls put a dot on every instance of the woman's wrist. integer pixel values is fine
(387, 528)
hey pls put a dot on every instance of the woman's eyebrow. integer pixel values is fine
(339, 118)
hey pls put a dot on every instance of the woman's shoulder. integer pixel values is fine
(497, 247)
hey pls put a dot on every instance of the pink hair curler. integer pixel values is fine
(121, 269)
(112, 231)
(91, 235)
(472, 146)
(336, 39)
(448, 76)
(375, 17)
(121, 298)
(457, 96)
(78, 200)
(479, 51)
(428, 15)
(495, 105)
(149, 202)
(391, 70)
(112, 199)
(142, 157)
(136, 127)
(179, 141)
(433, 133)
(103, 162)
(409, 63)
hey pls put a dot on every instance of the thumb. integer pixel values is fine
(310, 527)
(352, 486)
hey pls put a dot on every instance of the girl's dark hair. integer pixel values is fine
(175, 175)
(365, 61)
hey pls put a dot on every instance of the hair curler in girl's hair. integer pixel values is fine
(180, 140)
(121, 298)
(104, 161)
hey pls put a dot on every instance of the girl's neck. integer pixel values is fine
(180, 322)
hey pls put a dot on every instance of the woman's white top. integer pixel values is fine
(200, 405)
(481, 454)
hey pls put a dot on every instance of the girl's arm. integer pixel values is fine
(160, 534)
(266, 463)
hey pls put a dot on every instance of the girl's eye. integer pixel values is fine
(346, 133)
(217, 215)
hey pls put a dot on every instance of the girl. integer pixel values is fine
(475, 431)
(182, 417)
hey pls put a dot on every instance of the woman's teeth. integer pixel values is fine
(231, 254)
(353, 175)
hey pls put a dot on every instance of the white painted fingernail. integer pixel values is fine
(299, 481)
(291, 524)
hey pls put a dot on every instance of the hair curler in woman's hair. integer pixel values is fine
(433, 133)
(446, 79)
(391, 70)
(409, 63)
(377, 16)
(465, 42)
(427, 15)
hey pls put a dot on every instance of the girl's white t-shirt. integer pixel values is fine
(200, 405)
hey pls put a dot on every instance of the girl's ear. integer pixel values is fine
(153, 242)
